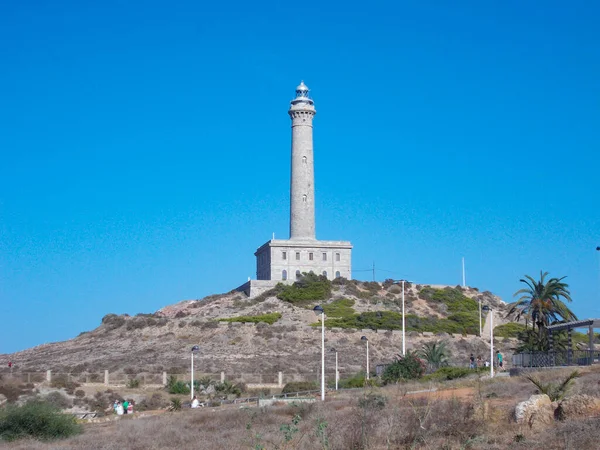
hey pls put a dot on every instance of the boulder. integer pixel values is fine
(536, 411)
(577, 405)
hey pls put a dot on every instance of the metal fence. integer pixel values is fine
(555, 359)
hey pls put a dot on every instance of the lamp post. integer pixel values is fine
(364, 338)
(480, 329)
(337, 375)
(195, 349)
(319, 311)
(487, 308)
(403, 321)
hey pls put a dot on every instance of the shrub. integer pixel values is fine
(340, 308)
(269, 318)
(175, 386)
(62, 382)
(372, 401)
(299, 386)
(113, 321)
(39, 420)
(408, 367)
(308, 289)
(156, 401)
(58, 400)
(133, 383)
(211, 324)
(228, 388)
(175, 404)
(451, 373)
(79, 393)
(355, 381)
(509, 330)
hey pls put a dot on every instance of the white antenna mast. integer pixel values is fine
(463, 271)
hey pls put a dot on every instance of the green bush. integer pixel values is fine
(299, 386)
(463, 315)
(408, 367)
(38, 420)
(175, 386)
(228, 388)
(509, 330)
(269, 318)
(355, 381)
(309, 288)
(340, 308)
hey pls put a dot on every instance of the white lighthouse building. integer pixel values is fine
(285, 260)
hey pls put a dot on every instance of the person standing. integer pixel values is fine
(125, 405)
(471, 361)
(500, 362)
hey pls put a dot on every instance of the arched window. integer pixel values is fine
(304, 159)
(298, 274)
(325, 273)
(337, 274)
(284, 275)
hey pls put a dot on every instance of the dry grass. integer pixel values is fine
(476, 415)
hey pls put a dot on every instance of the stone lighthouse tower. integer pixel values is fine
(281, 260)
(302, 189)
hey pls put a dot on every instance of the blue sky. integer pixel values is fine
(145, 147)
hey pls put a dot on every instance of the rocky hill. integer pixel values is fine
(248, 343)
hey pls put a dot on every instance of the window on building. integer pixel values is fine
(284, 275)
(310, 256)
(304, 197)
(298, 274)
(337, 257)
(283, 255)
(337, 274)
(325, 273)
(324, 256)
(304, 159)
(297, 256)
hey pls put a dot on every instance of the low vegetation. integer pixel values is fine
(509, 330)
(299, 386)
(38, 420)
(407, 367)
(308, 289)
(269, 318)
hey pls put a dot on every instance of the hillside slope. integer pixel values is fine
(161, 341)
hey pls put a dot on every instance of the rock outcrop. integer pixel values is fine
(537, 411)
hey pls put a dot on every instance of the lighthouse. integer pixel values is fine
(302, 185)
(285, 261)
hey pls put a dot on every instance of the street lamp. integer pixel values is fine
(337, 375)
(487, 308)
(195, 349)
(403, 321)
(319, 311)
(364, 338)
(480, 330)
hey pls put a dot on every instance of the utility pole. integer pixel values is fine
(373, 270)
(463, 270)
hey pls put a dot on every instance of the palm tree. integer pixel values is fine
(540, 302)
(435, 353)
